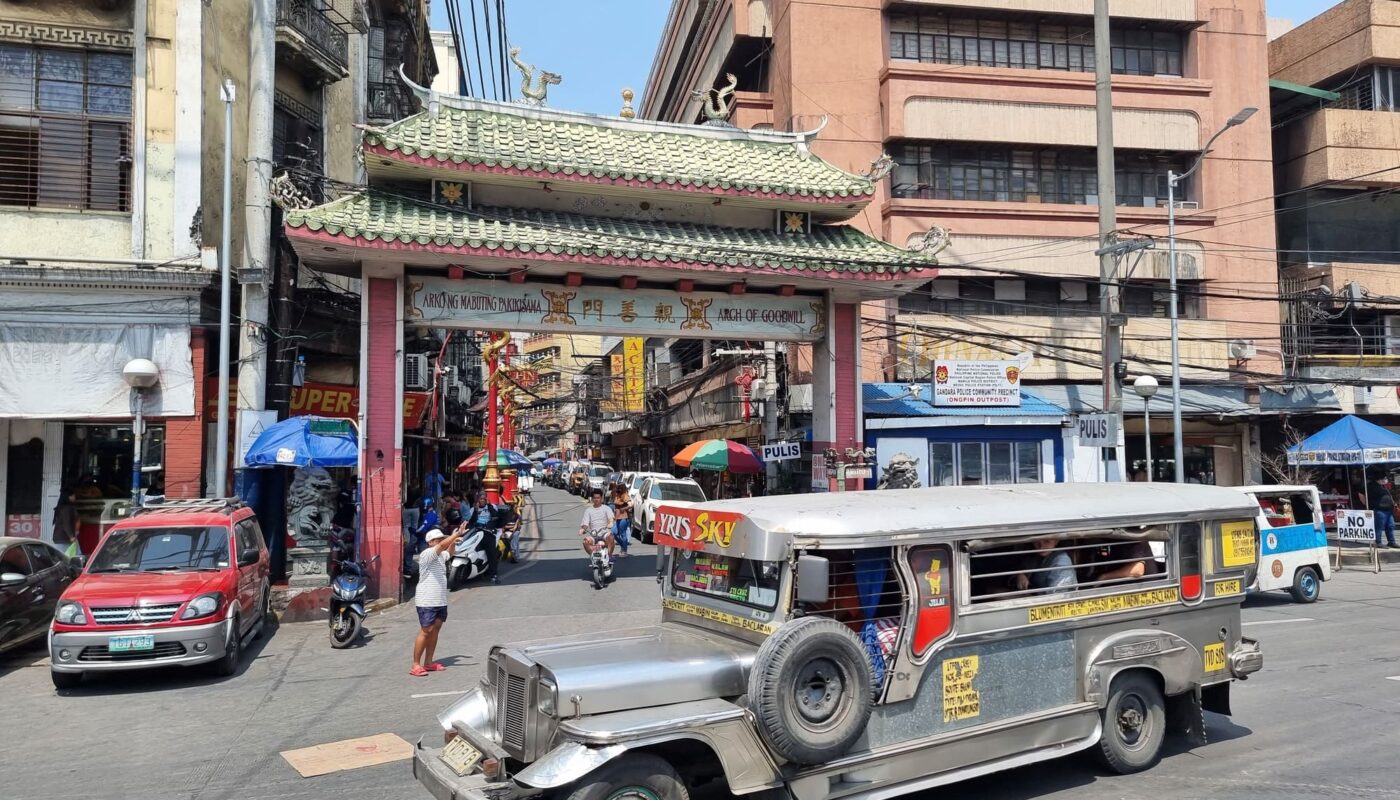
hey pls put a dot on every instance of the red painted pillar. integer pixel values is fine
(381, 475)
(184, 436)
(836, 377)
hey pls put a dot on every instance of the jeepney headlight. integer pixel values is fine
(548, 702)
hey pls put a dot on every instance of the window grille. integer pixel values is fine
(65, 128)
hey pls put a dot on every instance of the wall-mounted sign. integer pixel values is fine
(324, 400)
(1097, 430)
(633, 365)
(782, 451)
(977, 383)
(550, 308)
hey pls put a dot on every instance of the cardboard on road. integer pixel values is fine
(366, 751)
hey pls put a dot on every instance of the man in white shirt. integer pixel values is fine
(431, 598)
(597, 517)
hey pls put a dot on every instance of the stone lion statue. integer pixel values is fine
(310, 506)
(901, 473)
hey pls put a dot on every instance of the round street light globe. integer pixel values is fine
(141, 373)
(1145, 386)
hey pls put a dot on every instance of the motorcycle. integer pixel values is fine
(468, 558)
(348, 587)
(599, 562)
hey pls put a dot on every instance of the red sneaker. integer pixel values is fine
(436, 666)
(418, 671)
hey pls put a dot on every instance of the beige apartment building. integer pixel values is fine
(987, 108)
(111, 165)
(556, 417)
(1336, 92)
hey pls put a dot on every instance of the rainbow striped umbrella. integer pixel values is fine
(719, 455)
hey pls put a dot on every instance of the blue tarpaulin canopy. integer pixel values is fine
(306, 442)
(1348, 441)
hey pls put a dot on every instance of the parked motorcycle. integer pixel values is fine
(599, 562)
(348, 587)
(468, 558)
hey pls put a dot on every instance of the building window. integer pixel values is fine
(65, 128)
(1002, 173)
(984, 463)
(1042, 297)
(1378, 89)
(1030, 43)
(297, 137)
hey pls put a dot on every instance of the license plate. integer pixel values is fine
(1227, 587)
(131, 644)
(1215, 657)
(460, 756)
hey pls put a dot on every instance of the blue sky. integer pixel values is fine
(600, 46)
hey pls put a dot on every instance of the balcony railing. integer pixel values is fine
(321, 29)
(390, 101)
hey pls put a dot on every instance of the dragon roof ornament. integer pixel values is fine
(434, 101)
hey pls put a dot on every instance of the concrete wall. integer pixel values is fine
(1146, 345)
(59, 232)
(1332, 43)
(1335, 144)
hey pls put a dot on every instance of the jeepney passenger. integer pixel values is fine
(1053, 571)
(1136, 557)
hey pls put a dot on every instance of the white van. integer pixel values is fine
(1292, 541)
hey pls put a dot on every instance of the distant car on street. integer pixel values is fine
(178, 584)
(33, 575)
(655, 491)
(597, 477)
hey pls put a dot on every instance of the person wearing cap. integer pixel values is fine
(431, 597)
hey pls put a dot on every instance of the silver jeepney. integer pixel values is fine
(750, 677)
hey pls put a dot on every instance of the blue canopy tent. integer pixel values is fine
(306, 442)
(1350, 441)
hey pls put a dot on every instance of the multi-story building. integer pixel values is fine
(987, 108)
(112, 122)
(1336, 92)
(555, 417)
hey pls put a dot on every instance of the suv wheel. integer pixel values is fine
(264, 612)
(228, 665)
(65, 680)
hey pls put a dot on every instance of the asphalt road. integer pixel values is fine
(1320, 721)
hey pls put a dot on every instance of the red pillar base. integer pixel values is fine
(381, 466)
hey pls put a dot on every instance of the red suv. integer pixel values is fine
(179, 583)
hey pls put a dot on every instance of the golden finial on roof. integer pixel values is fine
(627, 112)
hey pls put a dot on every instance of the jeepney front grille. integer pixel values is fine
(510, 708)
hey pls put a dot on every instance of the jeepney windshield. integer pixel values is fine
(740, 580)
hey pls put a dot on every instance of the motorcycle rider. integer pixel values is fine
(597, 517)
(509, 519)
(485, 516)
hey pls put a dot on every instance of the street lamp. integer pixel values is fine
(1146, 386)
(1173, 179)
(140, 374)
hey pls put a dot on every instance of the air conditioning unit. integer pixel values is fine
(458, 392)
(1392, 334)
(1243, 350)
(417, 372)
(1187, 204)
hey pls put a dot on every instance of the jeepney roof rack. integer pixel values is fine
(215, 505)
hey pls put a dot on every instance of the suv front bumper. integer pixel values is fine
(184, 645)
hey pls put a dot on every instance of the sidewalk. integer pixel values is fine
(1357, 553)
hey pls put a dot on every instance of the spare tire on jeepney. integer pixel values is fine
(811, 690)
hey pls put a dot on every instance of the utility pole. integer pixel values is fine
(1110, 307)
(254, 339)
(225, 254)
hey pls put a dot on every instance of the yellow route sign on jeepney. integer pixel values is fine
(1237, 546)
(961, 700)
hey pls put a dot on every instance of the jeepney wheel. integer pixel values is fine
(1306, 585)
(811, 690)
(635, 775)
(1134, 724)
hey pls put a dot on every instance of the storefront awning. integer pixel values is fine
(1196, 401)
(916, 400)
(1315, 398)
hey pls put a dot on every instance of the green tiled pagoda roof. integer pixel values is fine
(394, 222)
(511, 138)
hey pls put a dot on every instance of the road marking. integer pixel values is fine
(1278, 621)
(437, 694)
